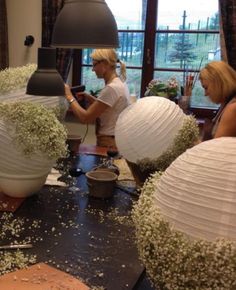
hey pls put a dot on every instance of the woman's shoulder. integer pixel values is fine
(117, 85)
(116, 81)
(233, 100)
(230, 109)
(227, 125)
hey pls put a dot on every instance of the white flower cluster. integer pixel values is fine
(173, 83)
(186, 137)
(12, 79)
(172, 260)
(12, 260)
(35, 129)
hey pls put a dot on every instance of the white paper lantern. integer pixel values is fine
(24, 169)
(20, 176)
(197, 192)
(49, 102)
(147, 128)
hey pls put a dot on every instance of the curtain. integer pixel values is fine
(50, 10)
(4, 58)
(228, 30)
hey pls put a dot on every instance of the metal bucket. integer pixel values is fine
(101, 183)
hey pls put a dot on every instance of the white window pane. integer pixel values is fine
(129, 14)
(199, 14)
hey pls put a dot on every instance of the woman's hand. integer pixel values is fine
(89, 98)
(80, 96)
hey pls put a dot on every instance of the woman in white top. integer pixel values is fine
(111, 101)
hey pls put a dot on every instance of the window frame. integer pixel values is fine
(148, 62)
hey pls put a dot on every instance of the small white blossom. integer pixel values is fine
(35, 129)
(12, 79)
(185, 138)
(171, 259)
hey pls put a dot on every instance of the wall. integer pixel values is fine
(24, 18)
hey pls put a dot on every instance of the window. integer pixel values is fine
(160, 39)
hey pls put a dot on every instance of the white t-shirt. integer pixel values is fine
(116, 96)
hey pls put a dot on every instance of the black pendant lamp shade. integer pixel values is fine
(85, 24)
(46, 81)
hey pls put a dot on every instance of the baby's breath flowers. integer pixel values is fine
(168, 89)
(35, 129)
(12, 79)
(186, 137)
(172, 260)
(14, 228)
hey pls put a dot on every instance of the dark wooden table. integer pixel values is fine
(90, 238)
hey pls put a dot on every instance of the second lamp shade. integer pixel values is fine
(46, 81)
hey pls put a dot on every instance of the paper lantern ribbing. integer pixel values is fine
(20, 176)
(197, 193)
(147, 128)
(58, 102)
(32, 139)
(185, 220)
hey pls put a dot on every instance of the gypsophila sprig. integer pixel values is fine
(186, 137)
(14, 227)
(35, 129)
(15, 78)
(171, 259)
(168, 89)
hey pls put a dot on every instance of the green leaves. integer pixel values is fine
(160, 88)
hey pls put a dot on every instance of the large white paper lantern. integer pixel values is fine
(20, 176)
(185, 220)
(147, 128)
(197, 192)
(29, 147)
(51, 102)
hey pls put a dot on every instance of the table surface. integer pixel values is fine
(92, 239)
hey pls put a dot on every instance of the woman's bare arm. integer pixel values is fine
(227, 124)
(89, 115)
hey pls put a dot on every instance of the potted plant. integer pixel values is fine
(168, 89)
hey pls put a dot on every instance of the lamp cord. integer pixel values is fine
(85, 134)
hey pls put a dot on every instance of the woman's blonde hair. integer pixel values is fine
(112, 59)
(222, 78)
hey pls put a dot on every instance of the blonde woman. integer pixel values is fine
(219, 82)
(111, 101)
